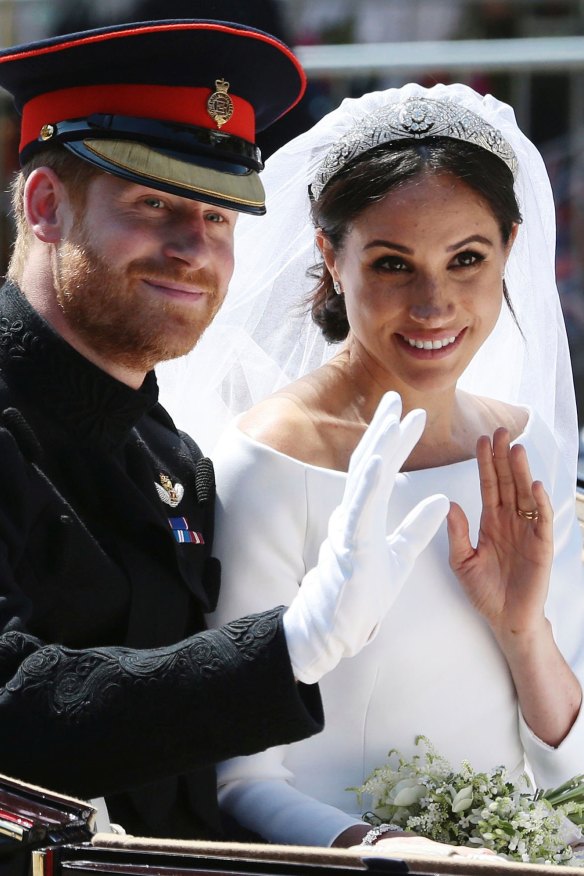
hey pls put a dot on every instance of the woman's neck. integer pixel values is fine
(447, 436)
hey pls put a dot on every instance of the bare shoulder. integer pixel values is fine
(288, 422)
(494, 414)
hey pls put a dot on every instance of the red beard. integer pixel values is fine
(122, 321)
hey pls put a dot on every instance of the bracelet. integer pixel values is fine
(373, 835)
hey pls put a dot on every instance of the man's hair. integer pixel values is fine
(75, 175)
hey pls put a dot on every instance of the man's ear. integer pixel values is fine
(46, 205)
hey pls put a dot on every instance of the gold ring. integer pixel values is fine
(528, 515)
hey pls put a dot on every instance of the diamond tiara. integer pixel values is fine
(415, 118)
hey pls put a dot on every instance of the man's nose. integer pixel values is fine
(188, 243)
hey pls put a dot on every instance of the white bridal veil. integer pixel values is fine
(262, 339)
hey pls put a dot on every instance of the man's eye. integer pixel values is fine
(155, 203)
(215, 217)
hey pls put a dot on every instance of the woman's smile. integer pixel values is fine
(431, 347)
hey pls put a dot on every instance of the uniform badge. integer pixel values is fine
(182, 533)
(219, 104)
(46, 132)
(170, 493)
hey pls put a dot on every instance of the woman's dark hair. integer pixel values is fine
(383, 169)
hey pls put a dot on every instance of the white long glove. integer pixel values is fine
(360, 568)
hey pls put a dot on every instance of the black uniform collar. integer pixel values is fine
(39, 365)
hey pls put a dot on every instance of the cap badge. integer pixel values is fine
(170, 494)
(219, 104)
(46, 132)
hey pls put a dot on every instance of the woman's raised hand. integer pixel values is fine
(506, 576)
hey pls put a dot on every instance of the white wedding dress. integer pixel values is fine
(434, 667)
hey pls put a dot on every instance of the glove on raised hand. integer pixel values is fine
(361, 568)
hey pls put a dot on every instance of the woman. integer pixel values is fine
(420, 235)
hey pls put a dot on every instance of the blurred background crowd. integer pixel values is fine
(529, 53)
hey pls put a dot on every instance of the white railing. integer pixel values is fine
(511, 55)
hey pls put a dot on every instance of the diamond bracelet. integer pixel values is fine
(375, 833)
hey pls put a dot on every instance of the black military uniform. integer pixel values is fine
(109, 684)
(106, 525)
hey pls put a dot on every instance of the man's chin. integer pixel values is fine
(174, 353)
(133, 334)
(173, 349)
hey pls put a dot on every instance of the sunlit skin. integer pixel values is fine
(424, 267)
(133, 280)
(421, 273)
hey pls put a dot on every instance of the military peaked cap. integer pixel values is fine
(174, 105)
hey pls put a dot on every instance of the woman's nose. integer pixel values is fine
(430, 301)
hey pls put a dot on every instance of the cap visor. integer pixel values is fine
(141, 163)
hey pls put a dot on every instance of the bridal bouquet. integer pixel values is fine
(426, 796)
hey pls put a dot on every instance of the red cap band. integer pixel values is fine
(180, 104)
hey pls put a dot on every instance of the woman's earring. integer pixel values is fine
(337, 287)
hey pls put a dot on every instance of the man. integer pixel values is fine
(138, 151)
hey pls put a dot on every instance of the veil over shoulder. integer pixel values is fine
(263, 337)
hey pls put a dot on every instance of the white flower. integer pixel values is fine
(406, 792)
(463, 799)
(426, 796)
